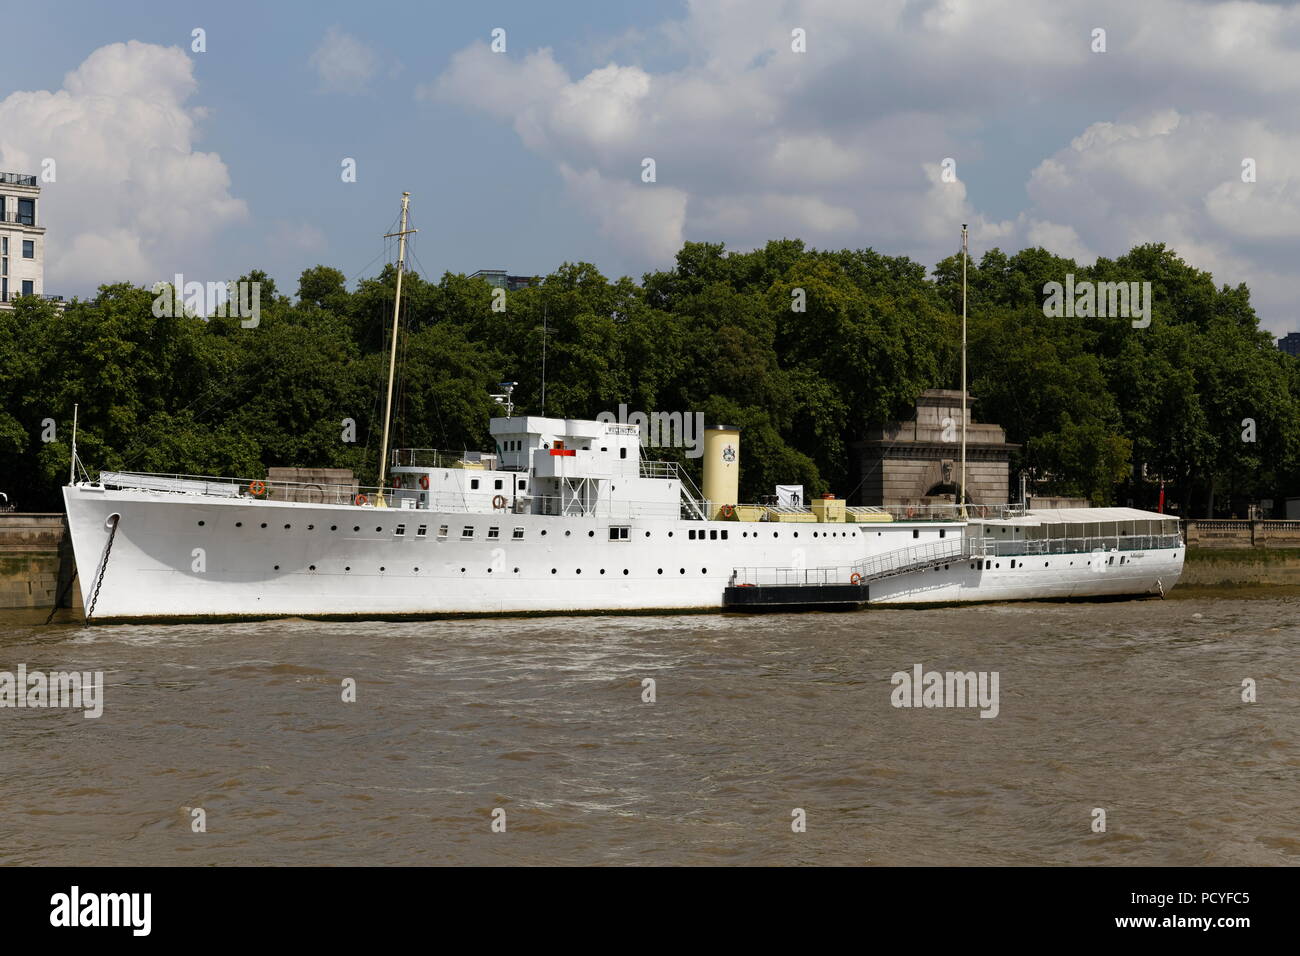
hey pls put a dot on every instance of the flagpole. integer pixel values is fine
(962, 490)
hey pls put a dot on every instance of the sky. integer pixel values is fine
(812, 119)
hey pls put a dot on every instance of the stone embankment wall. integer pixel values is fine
(36, 563)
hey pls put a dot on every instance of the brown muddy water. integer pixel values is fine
(1132, 707)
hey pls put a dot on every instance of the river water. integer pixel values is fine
(757, 724)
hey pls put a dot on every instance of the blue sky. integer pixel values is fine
(212, 163)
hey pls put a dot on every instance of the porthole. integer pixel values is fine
(647, 534)
(462, 570)
(554, 570)
(379, 529)
(382, 568)
(263, 524)
(775, 534)
(670, 534)
(200, 524)
(661, 570)
(311, 527)
(543, 532)
(602, 570)
(516, 570)
(277, 567)
(356, 527)
(334, 527)
(417, 570)
(311, 567)
(1044, 564)
(489, 570)
(998, 565)
(683, 570)
(348, 568)
(625, 570)
(287, 527)
(578, 571)
(796, 534)
(704, 570)
(567, 533)
(591, 534)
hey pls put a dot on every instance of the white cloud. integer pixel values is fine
(841, 145)
(343, 63)
(133, 199)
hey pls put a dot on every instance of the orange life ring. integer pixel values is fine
(855, 578)
(727, 511)
(499, 502)
(397, 481)
(359, 500)
(424, 482)
(257, 488)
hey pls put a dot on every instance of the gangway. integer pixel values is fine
(755, 588)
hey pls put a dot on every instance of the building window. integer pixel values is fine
(27, 212)
(28, 288)
(4, 290)
(29, 249)
(4, 266)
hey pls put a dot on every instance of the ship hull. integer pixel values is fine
(177, 557)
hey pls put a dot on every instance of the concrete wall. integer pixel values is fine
(36, 563)
(1242, 534)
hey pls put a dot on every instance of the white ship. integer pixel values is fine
(568, 516)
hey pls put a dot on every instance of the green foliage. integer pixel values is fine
(806, 350)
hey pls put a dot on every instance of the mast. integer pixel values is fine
(962, 491)
(72, 465)
(401, 235)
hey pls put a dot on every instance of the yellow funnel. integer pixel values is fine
(721, 467)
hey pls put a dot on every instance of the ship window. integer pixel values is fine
(473, 483)
(622, 453)
(494, 532)
(604, 448)
(468, 531)
(943, 533)
(497, 484)
(916, 533)
(724, 535)
(519, 533)
(442, 531)
(692, 534)
(422, 531)
(523, 486)
(618, 533)
(400, 530)
(713, 535)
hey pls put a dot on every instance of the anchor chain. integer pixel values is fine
(103, 566)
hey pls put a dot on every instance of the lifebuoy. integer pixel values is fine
(359, 500)
(855, 578)
(256, 488)
(397, 481)
(499, 502)
(727, 511)
(424, 482)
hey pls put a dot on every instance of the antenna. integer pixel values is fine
(392, 357)
(506, 398)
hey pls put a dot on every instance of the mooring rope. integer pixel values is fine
(103, 566)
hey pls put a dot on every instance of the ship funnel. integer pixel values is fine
(721, 468)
